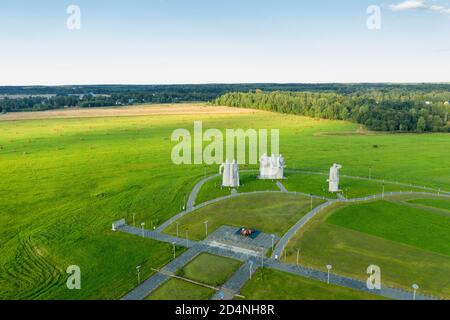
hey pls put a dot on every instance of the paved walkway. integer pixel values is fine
(155, 281)
(281, 245)
(281, 186)
(235, 283)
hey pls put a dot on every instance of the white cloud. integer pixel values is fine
(408, 5)
(418, 4)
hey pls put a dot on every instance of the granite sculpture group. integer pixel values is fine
(271, 168)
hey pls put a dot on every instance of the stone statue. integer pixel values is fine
(271, 168)
(230, 174)
(334, 178)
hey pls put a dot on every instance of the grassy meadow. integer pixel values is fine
(64, 181)
(409, 244)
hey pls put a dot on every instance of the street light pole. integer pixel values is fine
(206, 228)
(138, 272)
(329, 267)
(187, 239)
(142, 225)
(262, 258)
(134, 219)
(250, 264)
(298, 255)
(173, 245)
(415, 288)
(311, 201)
(177, 230)
(273, 239)
(383, 192)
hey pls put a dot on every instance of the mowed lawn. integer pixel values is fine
(276, 285)
(272, 213)
(419, 228)
(176, 289)
(64, 181)
(408, 244)
(351, 187)
(248, 183)
(210, 269)
(434, 203)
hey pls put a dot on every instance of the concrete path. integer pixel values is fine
(196, 189)
(155, 281)
(281, 186)
(343, 281)
(281, 245)
(235, 283)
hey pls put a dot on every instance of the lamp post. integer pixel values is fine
(415, 288)
(138, 272)
(187, 239)
(310, 195)
(178, 224)
(250, 265)
(206, 228)
(329, 267)
(262, 258)
(173, 246)
(134, 219)
(142, 226)
(383, 193)
(298, 255)
(273, 241)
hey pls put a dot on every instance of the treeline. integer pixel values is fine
(342, 97)
(394, 110)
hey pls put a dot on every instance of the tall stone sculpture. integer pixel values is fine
(271, 168)
(334, 178)
(230, 174)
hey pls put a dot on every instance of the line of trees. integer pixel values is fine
(394, 110)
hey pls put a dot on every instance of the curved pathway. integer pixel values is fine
(238, 280)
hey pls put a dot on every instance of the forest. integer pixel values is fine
(392, 110)
(381, 107)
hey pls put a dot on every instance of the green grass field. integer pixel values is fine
(351, 188)
(248, 183)
(435, 203)
(277, 285)
(210, 269)
(176, 289)
(410, 245)
(256, 211)
(64, 181)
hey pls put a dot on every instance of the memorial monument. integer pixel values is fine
(271, 168)
(334, 178)
(230, 174)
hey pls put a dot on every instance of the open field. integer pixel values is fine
(176, 289)
(210, 269)
(409, 245)
(256, 211)
(143, 110)
(277, 285)
(64, 181)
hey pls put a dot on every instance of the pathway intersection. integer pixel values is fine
(250, 256)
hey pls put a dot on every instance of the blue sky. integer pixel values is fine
(211, 41)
